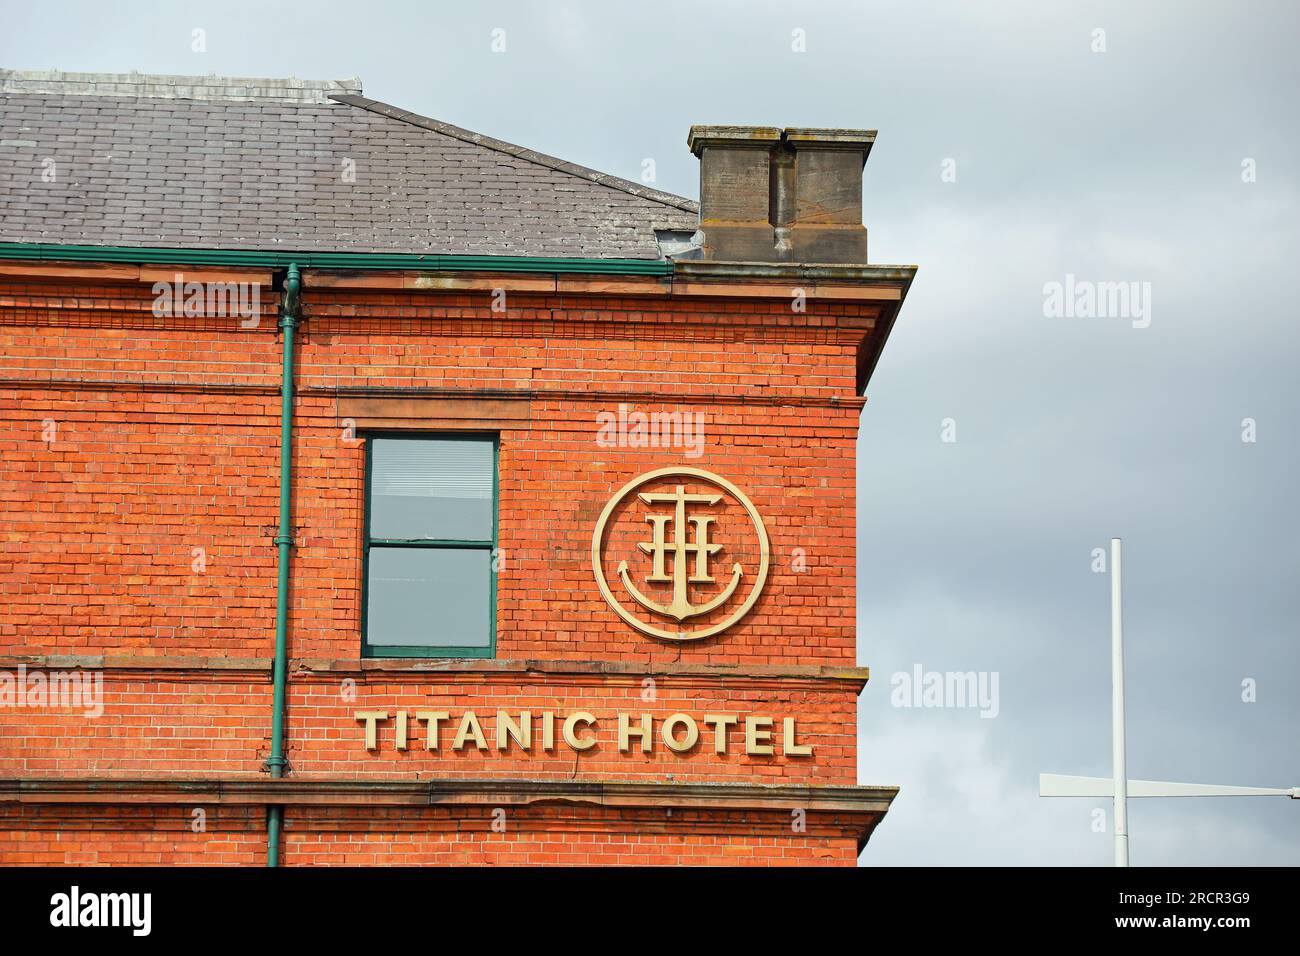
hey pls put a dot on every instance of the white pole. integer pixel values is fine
(1117, 706)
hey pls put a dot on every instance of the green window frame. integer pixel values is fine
(370, 543)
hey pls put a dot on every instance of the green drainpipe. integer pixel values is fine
(277, 762)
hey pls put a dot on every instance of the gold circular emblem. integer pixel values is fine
(679, 553)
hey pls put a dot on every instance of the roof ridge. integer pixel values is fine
(209, 87)
(529, 155)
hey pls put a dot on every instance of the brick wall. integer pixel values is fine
(142, 836)
(202, 725)
(140, 492)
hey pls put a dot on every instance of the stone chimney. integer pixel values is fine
(771, 195)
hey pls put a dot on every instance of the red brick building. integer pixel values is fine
(561, 566)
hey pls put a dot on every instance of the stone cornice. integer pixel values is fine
(290, 791)
(731, 806)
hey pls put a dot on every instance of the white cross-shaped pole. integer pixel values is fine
(1119, 786)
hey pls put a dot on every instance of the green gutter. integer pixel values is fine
(330, 260)
(284, 541)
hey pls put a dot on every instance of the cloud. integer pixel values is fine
(965, 802)
(961, 806)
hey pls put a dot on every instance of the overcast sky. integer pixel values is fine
(975, 554)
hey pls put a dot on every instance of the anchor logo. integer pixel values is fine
(690, 548)
(682, 551)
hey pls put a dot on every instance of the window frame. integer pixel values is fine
(388, 651)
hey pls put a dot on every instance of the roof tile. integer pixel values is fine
(350, 175)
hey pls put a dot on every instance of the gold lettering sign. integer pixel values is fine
(581, 730)
(678, 558)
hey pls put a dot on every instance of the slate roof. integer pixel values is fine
(225, 163)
